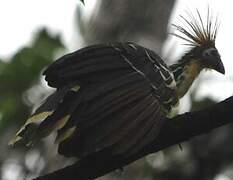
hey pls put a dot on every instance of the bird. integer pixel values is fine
(114, 97)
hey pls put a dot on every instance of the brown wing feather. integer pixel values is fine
(107, 98)
(124, 115)
(136, 137)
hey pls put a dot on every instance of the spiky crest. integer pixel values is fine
(197, 32)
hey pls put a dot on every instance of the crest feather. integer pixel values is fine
(197, 32)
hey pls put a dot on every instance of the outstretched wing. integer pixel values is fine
(108, 96)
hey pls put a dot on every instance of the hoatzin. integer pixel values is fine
(114, 97)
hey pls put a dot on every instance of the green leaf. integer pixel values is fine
(23, 71)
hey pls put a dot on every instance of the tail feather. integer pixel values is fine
(42, 122)
(23, 136)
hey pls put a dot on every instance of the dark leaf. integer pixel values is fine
(82, 1)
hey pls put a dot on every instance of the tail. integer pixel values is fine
(32, 130)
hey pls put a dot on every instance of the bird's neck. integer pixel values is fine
(185, 72)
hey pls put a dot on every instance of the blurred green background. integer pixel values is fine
(22, 89)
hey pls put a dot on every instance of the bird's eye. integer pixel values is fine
(211, 52)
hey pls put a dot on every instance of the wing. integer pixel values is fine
(121, 119)
(108, 96)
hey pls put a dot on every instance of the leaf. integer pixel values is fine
(82, 2)
(22, 72)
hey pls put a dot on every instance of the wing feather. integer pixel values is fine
(74, 66)
(120, 121)
(107, 98)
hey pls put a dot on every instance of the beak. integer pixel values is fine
(219, 67)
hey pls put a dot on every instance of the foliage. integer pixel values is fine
(21, 72)
(18, 74)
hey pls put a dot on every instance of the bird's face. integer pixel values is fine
(211, 59)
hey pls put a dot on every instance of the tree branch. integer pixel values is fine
(176, 130)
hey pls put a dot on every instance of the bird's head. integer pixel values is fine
(201, 37)
(208, 57)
